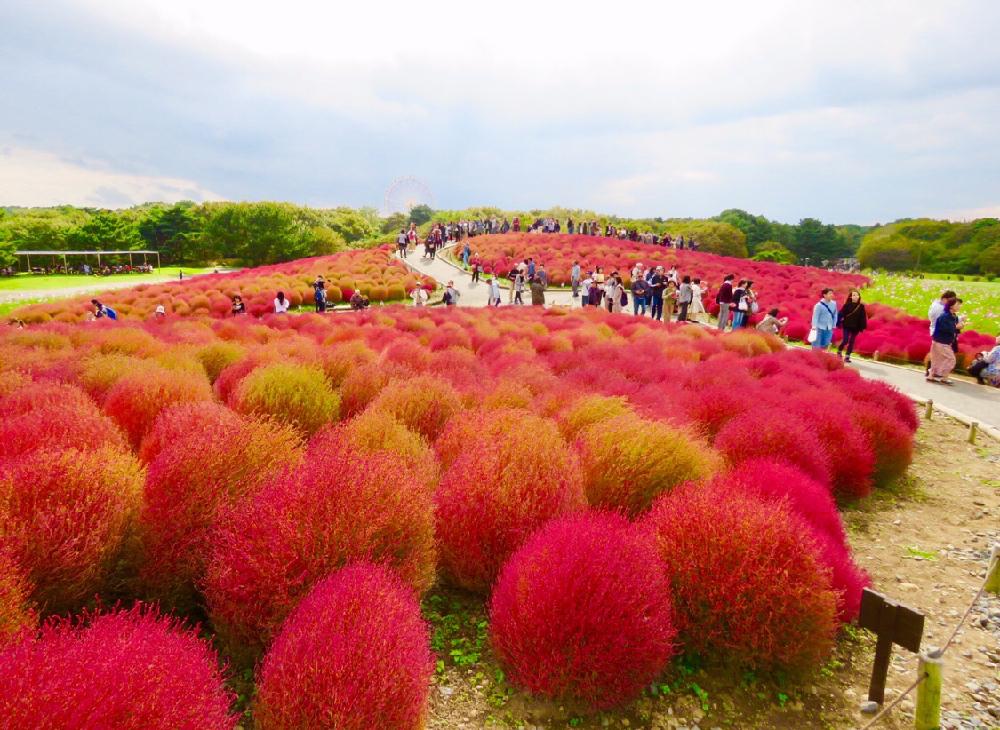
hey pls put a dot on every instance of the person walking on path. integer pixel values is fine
(853, 320)
(543, 276)
(401, 243)
(824, 320)
(736, 308)
(494, 285)
(697, 311)
(574, 279)
(640, 294)
(518, 287)
(466, 253)
(684, 298)
(512, 277)
(658, 282)
(670, 295)
(724, 298)
(933, 312)
(946, 326)
(476, 269)
(537, 293)
(451, 294)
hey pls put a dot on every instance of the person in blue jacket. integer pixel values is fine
(824, 320)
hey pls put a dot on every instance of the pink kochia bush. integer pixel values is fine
(506, 482)
(337, 507)
(128, 670)
(354, 655)
(746, 578)
(65, 515)
(582, 611)
(136, 400)
(16, 612)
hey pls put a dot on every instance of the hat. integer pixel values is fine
(160, 309)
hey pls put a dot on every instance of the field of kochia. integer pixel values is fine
(617, 491)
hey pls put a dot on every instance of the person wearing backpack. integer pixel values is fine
(639, 295)
(102, 310)
(824, 320)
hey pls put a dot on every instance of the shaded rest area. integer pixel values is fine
(63, 254)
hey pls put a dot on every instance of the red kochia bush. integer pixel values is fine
(890, 438)
(508, 480)
(337, 507)
(136, 400)
(778, 434)
(195, 474)
(16, 612)
(747, 582)
(79, 425)
(353, 655)
(582, 611)
(66, 514)
(132, 670)
(775, 481)
(178, 421)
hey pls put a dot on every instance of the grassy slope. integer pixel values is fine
(981, 299)
(23, 282)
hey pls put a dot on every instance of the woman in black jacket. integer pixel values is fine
(852, 320)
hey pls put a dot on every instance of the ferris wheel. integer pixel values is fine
(406, 193)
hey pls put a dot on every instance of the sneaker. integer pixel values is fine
(847, 359)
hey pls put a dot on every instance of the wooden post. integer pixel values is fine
(875, 356)
(928, 712)
(993, 572)
(973, 427)
(929, 411)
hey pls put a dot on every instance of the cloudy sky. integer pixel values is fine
(848, 111)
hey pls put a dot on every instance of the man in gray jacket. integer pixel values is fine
(684, 298)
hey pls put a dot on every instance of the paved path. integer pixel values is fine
(964, 400)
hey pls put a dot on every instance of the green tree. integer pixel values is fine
(420, 214)
(817, 242)
(989, 260)
(105, 230)
(394, 223)
(257, 233)
(774, 251)
(350, 224)
(171, 230)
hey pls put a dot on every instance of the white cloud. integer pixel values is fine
(31, 177)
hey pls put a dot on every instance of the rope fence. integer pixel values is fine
(927, 715)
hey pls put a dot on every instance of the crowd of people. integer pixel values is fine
(85, 269)
(946, 324)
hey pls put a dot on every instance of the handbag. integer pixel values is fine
(754, 307)
(813, 334)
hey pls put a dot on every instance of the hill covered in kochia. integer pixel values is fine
(923, 244)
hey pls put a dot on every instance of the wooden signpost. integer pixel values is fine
(893, 623)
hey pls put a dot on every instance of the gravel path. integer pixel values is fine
(964, 400)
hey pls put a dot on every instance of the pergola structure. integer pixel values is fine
(64, 254)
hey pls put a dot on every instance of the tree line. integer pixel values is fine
(260, 233)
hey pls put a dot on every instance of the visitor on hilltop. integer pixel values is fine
(451, 294)
(319, 294)
(477, 269)
(685, 295)
(944, 341)
(281, 303)
(724, 298)
(737, 309)
(574, 279)
(101, 310)
(569, 226)
(937, 306)
(670, 295)
(640, 295)
(511, 277)
(466, 252)
(586, 285)
(772, 324)
(494, 284)
(657, 284)
(697, 311)
(853, 320)
(824, 320)
(238, 307)
(160, 312)
(537, 293)
(401, 243)
(518, 287)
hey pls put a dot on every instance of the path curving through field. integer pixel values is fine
(964, 400)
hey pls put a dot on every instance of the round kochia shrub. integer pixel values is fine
(178, 421)
(74, 424)
(194, 475)
(591, 409)
(582, 611)
(16, 612)
(66, 514)
(132, 670)
(747, 582)
(289, 393)
(353, 655)
(508, 481)
(628, 461)
(137, 399)
(890, 438)
(337, 507)
(423, 403)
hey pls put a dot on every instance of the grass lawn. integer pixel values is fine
(22, 282)
(980, 299)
